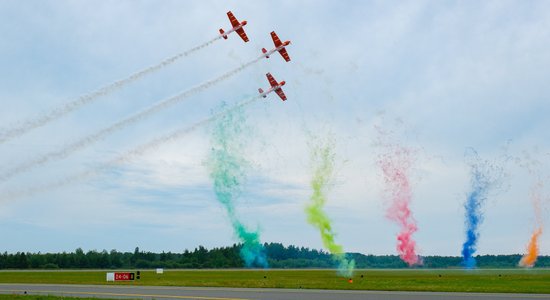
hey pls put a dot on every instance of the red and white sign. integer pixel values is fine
(124, 276)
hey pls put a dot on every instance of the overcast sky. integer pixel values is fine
(443, 76)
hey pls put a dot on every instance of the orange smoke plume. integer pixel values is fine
(528, 260)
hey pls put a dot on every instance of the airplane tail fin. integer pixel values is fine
(222, 33)
(261, 92)
(264, 51)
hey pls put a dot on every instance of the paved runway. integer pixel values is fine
(150, 292)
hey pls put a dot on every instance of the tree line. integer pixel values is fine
(279, 256)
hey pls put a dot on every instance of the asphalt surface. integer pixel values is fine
(150, 292)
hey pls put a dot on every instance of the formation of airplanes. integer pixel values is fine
(280, 47)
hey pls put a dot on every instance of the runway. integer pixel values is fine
(154, 292)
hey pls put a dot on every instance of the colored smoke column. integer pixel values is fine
(396, 164)
(323, 162)
(485, 176)
(528, 260)
(228, 167)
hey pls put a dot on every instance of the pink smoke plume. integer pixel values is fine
(396, 164)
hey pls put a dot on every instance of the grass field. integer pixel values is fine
(40, 297)
(501, 281)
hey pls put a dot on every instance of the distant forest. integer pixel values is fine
(228, 257)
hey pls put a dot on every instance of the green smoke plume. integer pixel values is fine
(323, 163)
(228, 166)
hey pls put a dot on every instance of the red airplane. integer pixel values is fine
(276, 87)
(279, 46)
(237, 26)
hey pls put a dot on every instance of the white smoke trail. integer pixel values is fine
(71, 148)
(124, 158)
(28, 125)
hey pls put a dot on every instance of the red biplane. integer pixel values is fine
(279, 46)
(237, 27)
(275, 86)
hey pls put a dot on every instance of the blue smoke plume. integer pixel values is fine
(485, 177)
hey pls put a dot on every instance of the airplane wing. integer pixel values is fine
(281, 94)
(232, 19)
(271, 80)
(276, 39)
(284, 54)
(242, 34)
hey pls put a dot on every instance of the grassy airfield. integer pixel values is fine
(497, 281)
(40, 297)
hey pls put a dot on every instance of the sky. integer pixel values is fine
(441, 77)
